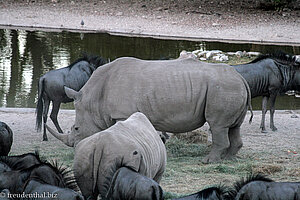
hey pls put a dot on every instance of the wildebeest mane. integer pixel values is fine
(96, 61)
(66, 173)
(281, 57)
(62, 171)
(11, 162)
(221, 191)
(244, 181)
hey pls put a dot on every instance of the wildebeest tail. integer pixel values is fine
(248, 99)
(40, 105)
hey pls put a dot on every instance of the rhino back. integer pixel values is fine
(172, 94)
(133, 143)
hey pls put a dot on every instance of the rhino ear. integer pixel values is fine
(72, 94)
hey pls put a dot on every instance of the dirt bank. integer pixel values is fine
(204, 20)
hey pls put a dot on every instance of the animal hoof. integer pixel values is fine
(274, 129)
(45, 139)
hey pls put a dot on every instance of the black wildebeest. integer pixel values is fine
(51, 88)
(212, 193)
(41, 191)
(21, 161)
(38, 178)
(270, 75)
(128, 184)
(6, 139)
(256, 187)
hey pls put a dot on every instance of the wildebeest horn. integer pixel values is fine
(65, 138)
(72, 94)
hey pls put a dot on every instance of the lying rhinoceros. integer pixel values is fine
(133, 143)
(128, 184)
(176, 95)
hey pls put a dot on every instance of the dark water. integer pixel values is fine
(26, 55)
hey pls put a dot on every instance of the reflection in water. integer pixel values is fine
(27, 55)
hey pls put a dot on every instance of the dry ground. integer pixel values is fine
(276, 154)
(191, 19)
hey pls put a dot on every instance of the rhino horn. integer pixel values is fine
(72, 94)
(65, 138)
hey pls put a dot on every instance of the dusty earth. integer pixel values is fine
(272, 152)
(189, 19)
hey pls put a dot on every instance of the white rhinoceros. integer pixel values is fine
(133, 143)
(176, 95)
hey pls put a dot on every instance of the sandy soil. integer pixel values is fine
(281, 143)
(275, 151)
(207, 19)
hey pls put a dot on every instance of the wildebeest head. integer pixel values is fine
(128, 184)
(211, 193)
(80, 129)
(6, 139)
(23, 161)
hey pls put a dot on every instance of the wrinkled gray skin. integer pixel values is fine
(176, 95)
(127, 184)
(133, 143)
(269, 77)
(6, 139)
(52, 192)
(258, 190)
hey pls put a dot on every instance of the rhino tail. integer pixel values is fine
(40, 105)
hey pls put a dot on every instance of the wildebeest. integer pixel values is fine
(40, 191)
(128, 184)
(6, 139)
(21, 161)
(133, 143)
(51, 88)
(212, 193)
(176, 95)
(270, 75)
(38, 178)
(256, 187)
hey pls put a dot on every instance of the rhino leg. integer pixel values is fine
(220, 144)
(235, 142)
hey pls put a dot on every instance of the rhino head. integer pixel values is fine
(84, 125)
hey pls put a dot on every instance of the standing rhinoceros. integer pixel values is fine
(176, 95)
(133, 143)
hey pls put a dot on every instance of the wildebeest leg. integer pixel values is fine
(220, 144)
(54, 114)
(235, 142)
(45, 115)
(264, 110)
(272, 111)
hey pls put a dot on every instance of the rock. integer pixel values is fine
(186, 54)
(294, 116)
(250, 53)
(239, 54)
